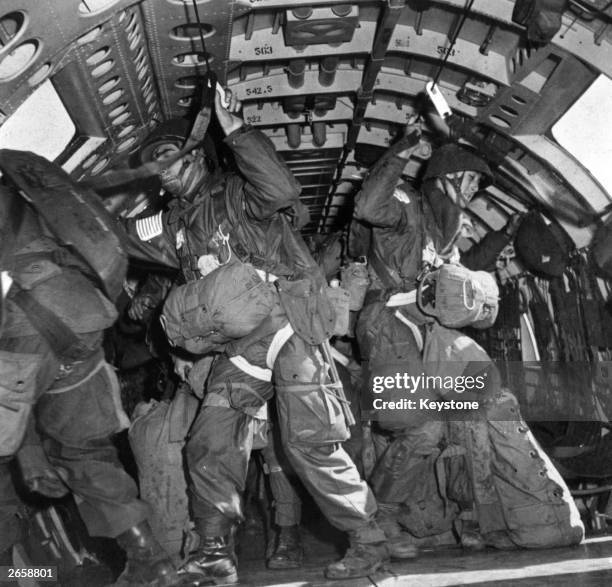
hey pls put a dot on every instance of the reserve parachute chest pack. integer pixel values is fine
(459, 297)
(229, 303)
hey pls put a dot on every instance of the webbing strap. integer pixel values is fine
(402, 299)
(418, 337)
(63, 341)
(385, 276)
(449, 452)
(250, 369)
(278, 342)
(338, 356)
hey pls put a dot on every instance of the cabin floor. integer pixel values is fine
(589, 564)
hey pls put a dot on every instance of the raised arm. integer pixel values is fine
(270, 186)
(483, 255)
(375, 203)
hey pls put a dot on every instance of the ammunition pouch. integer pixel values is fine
(308, 308)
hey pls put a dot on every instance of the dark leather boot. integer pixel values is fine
(214, 561)
(360, 560)
(287, 552)
(147, 562)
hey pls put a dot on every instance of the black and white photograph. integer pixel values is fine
(305, 293)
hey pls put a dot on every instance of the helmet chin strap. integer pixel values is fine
(183, 183)
(456, 195)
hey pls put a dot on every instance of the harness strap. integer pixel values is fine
(280, 338)
(402, 299)
(250, 369)
(449, 452)
(63, 341)
(388, 280)
(278, 342)
(219, 400)
(418, 337)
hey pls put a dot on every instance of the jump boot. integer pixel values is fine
(147, 562)
(360, 560)
(288, 552)
(400, 543)
(214, 561)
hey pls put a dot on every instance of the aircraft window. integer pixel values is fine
(18, 60)
(41, 124)
(583, 130)
(90, 7)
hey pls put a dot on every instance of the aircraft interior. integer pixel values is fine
(526, 84)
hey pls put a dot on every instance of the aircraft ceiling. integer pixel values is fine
(332, 83)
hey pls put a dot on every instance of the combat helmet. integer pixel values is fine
(451, 157)
(175, 131)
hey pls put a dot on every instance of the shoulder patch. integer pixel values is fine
(401, 195)
(149, 227)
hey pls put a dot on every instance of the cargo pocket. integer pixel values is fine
(84, 413)
(538, 525)
(311, 414)
(17, 395)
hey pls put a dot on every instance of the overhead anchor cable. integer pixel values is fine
(466, 11)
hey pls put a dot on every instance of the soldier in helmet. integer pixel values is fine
(56, 387)
(413, 232)
(253, 217)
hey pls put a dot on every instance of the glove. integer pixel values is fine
(182, 367)
(39, 475)
(198, 374)
(410, 142)
(513, 223)
(141, 305)
(48, 482)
